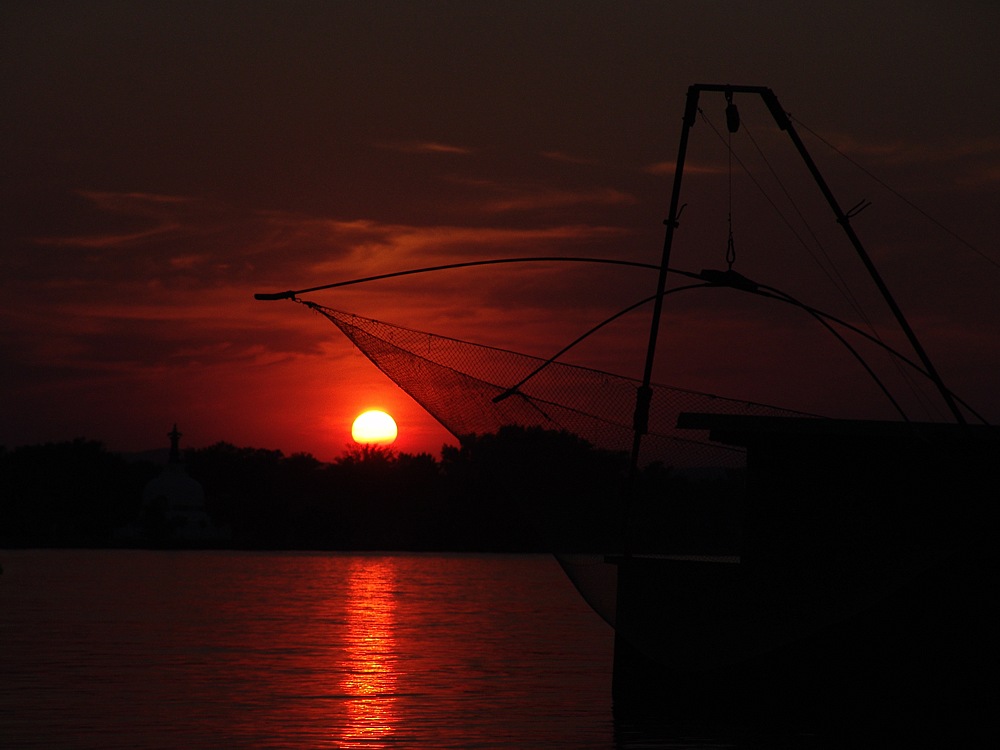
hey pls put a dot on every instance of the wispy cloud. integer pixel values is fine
(358, 248)
(549, 198)
(901, 151)
(108, 240)
(424, 147)
(212, 248)
(133, 202)
(159, 211)
(566, 158)
(669, 167)
(509, 197)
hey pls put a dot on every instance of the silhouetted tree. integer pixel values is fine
(242, 491)
(67, 494)
(517, 490)
(540, 489)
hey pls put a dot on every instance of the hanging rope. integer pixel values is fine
(732, 125)
(829, 269)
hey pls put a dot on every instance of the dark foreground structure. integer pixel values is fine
(862, 599)
(861, 595)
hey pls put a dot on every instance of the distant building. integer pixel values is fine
(173, 507)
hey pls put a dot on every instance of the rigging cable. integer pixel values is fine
(830, 268)
(838, 282)
(899, 195)
(834, 278)
(930, 406)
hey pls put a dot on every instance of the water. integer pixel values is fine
(140, 649)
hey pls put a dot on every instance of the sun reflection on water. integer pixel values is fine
(369, 681)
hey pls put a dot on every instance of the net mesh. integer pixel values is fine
(467, 388)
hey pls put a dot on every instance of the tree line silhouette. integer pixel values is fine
(519, 490)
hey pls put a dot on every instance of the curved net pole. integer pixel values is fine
(292, 294)
(607, 321)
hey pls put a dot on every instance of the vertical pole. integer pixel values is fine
(629, 664)
(644, 395)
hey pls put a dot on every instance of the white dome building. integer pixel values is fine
(173, 504)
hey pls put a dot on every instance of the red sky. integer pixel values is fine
(163, 161)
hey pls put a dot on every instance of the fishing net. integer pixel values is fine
(475, 390)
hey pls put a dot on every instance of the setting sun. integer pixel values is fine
(374, 427)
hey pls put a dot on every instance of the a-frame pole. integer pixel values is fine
(644, 395)
(781, 118)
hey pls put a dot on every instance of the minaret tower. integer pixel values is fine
(175, 442)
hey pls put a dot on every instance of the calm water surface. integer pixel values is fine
(139, 649)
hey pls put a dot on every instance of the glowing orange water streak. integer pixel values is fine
(370, 676)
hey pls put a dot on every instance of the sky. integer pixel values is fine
(164, 161)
